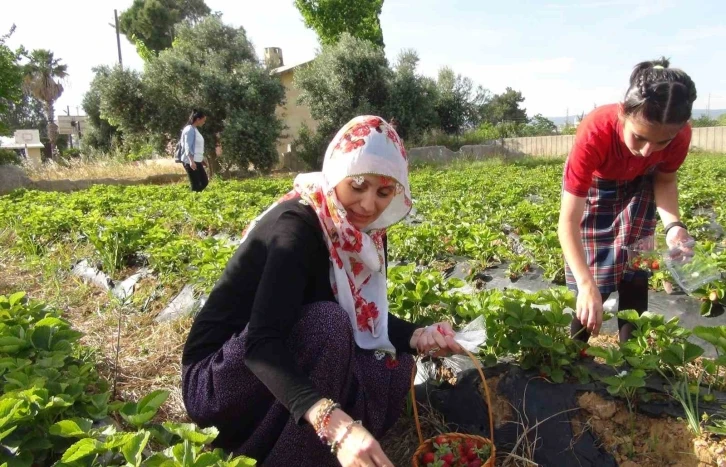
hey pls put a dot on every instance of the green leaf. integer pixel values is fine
(51, 321)
(545, 341)
(10, 410)
(159, 460)
(241, 461)
(5, 433)
(558, 375)
(629, 315)
(11, 344)
(207, 459)
(611, 355)
(73, 428)
(116, 440)
(714, 335)
(133, 449)
(190, 432)
(16, 298)
(83, 448)
(681, 353)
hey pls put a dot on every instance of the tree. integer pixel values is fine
(413, 97)
(149, 24)
(458, 102)
(210, 66)
(539, 126)
(330, 19)
(28, 112)
(505, 108)
(100, 133)
(346, 79)
(704, 121)
(42, 77)
(11, 80)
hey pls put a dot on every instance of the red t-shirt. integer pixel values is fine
(600, 151)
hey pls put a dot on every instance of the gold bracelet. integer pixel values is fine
(336, 444)
(318, 420)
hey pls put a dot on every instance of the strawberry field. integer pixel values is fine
(90, 378)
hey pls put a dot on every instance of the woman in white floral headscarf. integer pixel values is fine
(294, 357)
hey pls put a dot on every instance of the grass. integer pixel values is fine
(79, 169)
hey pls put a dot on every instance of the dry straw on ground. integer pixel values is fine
(103, 168)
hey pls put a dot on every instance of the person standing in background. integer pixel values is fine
(193, 151)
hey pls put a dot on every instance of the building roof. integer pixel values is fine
(9, 143)
(282, 69)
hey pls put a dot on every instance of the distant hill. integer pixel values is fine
(715, 113)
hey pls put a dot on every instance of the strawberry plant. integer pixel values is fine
(54, 408)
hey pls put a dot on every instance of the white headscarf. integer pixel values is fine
(366, 145)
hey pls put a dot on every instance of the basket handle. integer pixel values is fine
(486, 390)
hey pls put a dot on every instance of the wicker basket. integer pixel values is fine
(425, 446)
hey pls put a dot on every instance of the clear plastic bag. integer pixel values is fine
(691, 268)
(471, 337)
(642, 255)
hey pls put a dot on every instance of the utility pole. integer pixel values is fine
(708, 108)
(118, 39)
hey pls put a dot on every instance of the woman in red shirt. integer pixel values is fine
(622, 168)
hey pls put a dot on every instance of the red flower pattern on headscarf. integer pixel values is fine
(356, 266)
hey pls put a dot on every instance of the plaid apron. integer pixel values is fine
(617, 214)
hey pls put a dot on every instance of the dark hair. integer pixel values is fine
(660, 94)
(196, 115)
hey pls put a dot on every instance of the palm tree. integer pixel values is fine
(43, 76)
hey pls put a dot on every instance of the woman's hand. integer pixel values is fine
(589, 308)
(357, 447)
(680, 243)
(193, 164)
(436, 340)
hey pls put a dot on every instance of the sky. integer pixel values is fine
(565, 56)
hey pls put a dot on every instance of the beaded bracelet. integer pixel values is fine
(336, 444)
(323, 419)
(319, 415)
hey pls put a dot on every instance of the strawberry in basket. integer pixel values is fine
(454, 451)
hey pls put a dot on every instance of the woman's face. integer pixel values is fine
(365, 201)
(202, 121)
(644, 138)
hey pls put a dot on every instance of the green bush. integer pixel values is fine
(9, 156)
(71, 152)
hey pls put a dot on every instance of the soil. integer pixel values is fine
(501, 407)
(641, 441)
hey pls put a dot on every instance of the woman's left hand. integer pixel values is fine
(436, 340)
(680, 243)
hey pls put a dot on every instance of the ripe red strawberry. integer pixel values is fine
(474, 463)
(655, 265)
(636, 264)
(440, 440)
(448, 458)
(428, 458)
(583, 353)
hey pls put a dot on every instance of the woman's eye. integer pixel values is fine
(385, 193)
(357, 188)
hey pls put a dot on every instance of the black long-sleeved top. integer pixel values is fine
(283, 264)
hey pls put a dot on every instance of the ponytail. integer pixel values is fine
(660, 94)
(196, 115)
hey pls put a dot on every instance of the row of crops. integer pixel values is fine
(54, 406)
